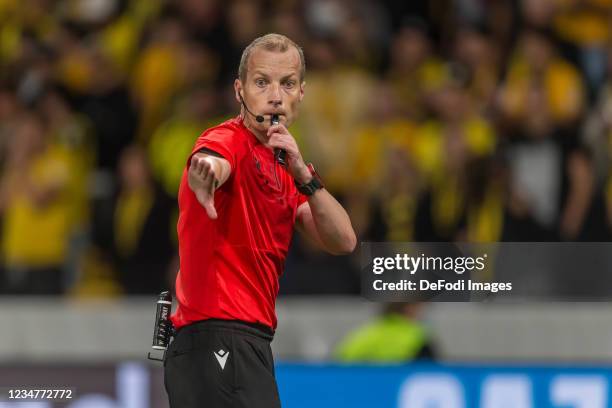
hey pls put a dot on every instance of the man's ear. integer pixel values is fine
(238, 90)
(302, 86)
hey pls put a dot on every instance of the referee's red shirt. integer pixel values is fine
(229, 267)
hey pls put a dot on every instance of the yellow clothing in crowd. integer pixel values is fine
(399, 212)
(585, 25)
(430, 155)
(169, 147)
(562, 84)
(38, 236)
(76, 141)
(412, 86)
(373, 146)
(133, 208)
(17, 18)
(485, 222)
(155, 79)
(120, 39)
(329, 116)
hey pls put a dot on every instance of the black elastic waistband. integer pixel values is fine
(256, 329)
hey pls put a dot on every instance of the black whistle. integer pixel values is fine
(279, 154)
(164, 329)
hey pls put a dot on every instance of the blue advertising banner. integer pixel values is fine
(443, 386)
(141, 385)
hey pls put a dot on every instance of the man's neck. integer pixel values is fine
(247, 121)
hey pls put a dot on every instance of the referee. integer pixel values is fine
(238, 208)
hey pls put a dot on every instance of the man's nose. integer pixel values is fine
(275, 95)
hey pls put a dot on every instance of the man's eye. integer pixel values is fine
(260, 82)
(289, 84)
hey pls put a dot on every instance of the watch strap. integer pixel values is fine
(313, 185)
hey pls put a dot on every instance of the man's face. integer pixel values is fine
(272, 85)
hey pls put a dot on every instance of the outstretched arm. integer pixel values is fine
(207, 173)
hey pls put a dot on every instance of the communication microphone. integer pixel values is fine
(279, 154)
(258, 118)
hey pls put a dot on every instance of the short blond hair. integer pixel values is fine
(270, 42)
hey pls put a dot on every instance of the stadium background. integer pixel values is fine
(436, 120)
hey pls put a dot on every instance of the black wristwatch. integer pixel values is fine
(313, 185)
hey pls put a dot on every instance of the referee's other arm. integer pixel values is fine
(323, 220)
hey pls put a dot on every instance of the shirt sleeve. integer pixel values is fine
(220, 141)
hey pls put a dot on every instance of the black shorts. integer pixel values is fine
(221, 364)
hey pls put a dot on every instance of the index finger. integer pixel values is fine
(280, 128)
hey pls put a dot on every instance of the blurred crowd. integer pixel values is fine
(440, 120)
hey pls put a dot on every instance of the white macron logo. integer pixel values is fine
(221, 356)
